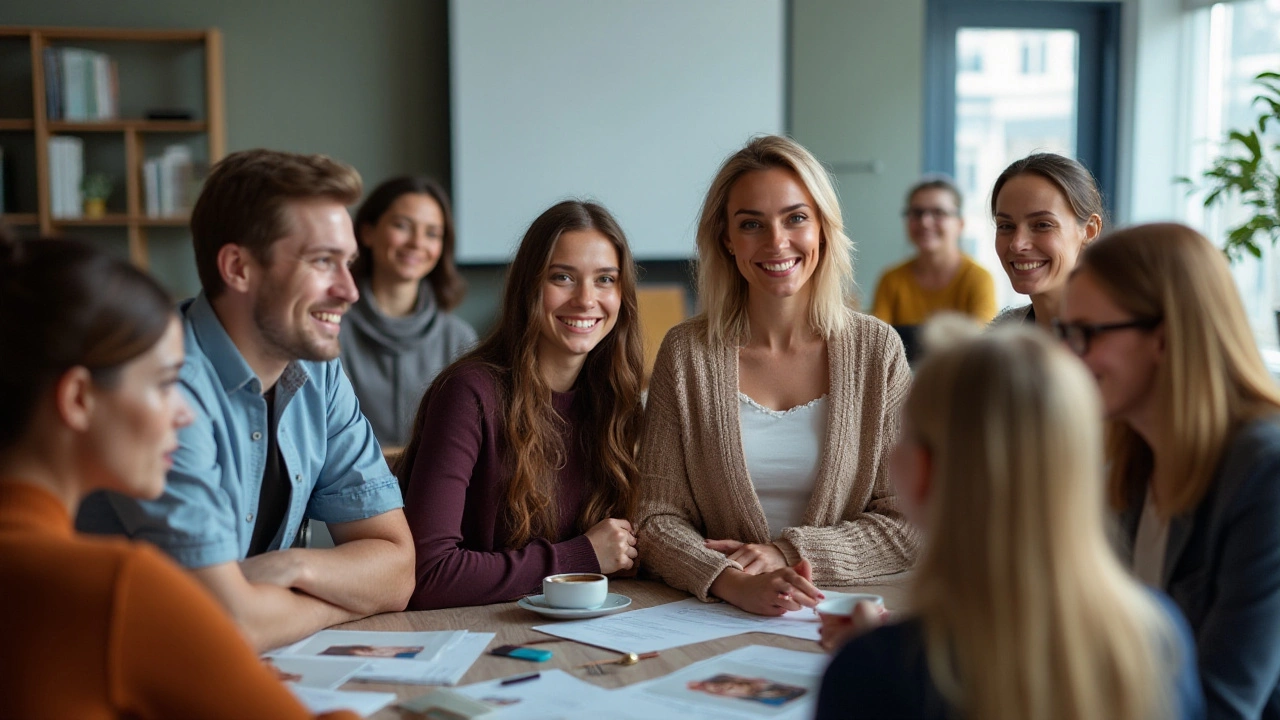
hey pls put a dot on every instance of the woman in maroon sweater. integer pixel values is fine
(521, 463)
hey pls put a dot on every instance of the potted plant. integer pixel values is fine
(96, 188)
(1248, 171)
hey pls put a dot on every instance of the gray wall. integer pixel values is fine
(366, 81)
(857, 96)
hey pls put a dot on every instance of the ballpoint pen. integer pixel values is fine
(520, 679)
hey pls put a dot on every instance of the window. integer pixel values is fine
(1243, 39)
(1034, 54)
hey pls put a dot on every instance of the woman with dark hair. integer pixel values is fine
(1193, 445)
(402, 331)
(89, 401)
(1047, 208)
(521, 463)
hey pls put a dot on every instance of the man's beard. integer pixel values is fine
(285, 342)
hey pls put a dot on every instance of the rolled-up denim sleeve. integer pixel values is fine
(355, 482)
(194, 520)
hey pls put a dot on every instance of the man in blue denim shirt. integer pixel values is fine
(278, 435)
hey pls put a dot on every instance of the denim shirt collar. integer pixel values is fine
(233, 370)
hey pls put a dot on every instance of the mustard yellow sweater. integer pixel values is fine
(901, 301)
(693, 475)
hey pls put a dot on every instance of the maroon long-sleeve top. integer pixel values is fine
(456, 495)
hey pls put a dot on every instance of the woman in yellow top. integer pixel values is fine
(939, 277)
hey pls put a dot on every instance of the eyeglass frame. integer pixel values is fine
(918, 214)
(1090, 330)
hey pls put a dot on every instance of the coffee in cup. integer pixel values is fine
(575, 591)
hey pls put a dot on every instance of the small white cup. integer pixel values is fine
(841, 607)
(575, 591)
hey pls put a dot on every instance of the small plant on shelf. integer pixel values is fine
(97, 188)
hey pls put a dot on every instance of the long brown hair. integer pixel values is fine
(1213, 377)
(608, 388)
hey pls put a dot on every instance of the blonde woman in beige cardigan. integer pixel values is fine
(776, 337)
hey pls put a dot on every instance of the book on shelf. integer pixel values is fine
(66, 172)
(168, 182)
(80, 85)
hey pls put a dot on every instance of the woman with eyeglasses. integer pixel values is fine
(1193, 445)
(1047, 209)
(940, 276)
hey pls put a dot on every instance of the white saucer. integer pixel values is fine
(613, 603)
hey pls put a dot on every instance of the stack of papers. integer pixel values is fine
(750, 682)
(681, 623)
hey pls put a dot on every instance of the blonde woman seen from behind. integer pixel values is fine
(1019, 608)
(1193, 445)
(770, 415)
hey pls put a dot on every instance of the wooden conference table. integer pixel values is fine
(514, 626)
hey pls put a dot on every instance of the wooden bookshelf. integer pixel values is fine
(128, 133)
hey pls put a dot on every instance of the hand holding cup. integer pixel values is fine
(848, 616)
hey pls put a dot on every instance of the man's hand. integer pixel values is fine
(282, 568)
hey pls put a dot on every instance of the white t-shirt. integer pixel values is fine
(783, 450)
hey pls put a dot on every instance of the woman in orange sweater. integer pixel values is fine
(100, 628)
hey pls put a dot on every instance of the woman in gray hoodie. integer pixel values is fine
(401, 332)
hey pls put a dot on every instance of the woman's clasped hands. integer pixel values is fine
(764, 585)
(615, 544)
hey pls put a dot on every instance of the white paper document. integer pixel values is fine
(447, 669)
(680, 623)
(747, 683)
(319, 700)
(328, 673)
(554, 694)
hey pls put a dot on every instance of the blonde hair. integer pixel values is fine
(1213, 377)
(721, 287)
(1026, 611)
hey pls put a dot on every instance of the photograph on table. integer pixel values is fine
(376, 646)
(404, 652)
(754, 681)
(328, 673)
(754, 689)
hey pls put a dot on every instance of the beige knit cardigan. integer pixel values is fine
(693, 475)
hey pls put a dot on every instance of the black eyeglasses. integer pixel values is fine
(935, 213)
(1078, 336)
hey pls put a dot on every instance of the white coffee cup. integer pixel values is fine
(840, 608)
(575, 591)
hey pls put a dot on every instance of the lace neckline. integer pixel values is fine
(780, 413)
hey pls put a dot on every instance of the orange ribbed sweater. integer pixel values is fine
(102, 628)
